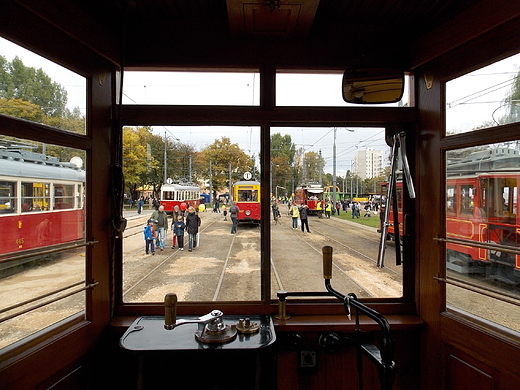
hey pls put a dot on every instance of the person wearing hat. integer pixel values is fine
(149, 237)
(176, 213)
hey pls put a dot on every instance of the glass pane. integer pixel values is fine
(34, 188)
(191, 167)
(192, 88)
(312, 89)
(482, 200)
(307, 165)
(484, 98)
(38, 90)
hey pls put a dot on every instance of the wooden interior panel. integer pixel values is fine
(261, 18)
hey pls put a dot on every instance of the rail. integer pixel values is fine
(483, 245)
(7, 258)
(45, 303)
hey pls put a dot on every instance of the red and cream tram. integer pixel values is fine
(41, 201)
(246, 194)
(181, 194)
(310, 194)
(481, 207)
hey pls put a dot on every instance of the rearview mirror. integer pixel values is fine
(373, 86)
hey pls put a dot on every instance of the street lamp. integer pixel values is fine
(276, 191)
(334, 184)
(271, 178)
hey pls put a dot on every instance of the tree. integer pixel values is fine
(283, 152)
(21, 109)
(312, 162)
(137, 162)
(223, 155)
(18, 81)
(513, 102)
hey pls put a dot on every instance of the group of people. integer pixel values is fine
(157, 227)
(296, 212)
(189, 221)
(153, 202)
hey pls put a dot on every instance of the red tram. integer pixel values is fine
(246, 194)
(41, 201)
(177, 193)
(481, 207)
(310, 194)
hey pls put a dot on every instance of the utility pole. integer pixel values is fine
(230, 183)
(189, 169)
(165, 159)
(319, 165)
(334, 172)
(210, 183)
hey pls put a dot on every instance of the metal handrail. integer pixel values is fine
(483, 245)
(7, 259)
(37, 306)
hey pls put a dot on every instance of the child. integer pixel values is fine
(178, 230)
(149, 237)
(224, 211)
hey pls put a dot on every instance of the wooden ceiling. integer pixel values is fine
(250, 33)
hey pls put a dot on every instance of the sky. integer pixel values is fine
(471, 100)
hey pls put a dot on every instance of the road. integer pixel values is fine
(226, 267)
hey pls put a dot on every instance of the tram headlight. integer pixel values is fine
(248, 212)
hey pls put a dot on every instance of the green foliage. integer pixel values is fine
(21, 109)
(18, 81)
(137, 163)
(223, 155)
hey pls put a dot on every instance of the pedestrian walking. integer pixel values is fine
(328, 209)
(233, 214)
(304, 212)
(176, 213)
(294, 212)
(319, 209)
(140, 205)
(149, 237)
(160, 219)
(178, 229)
(192, 226)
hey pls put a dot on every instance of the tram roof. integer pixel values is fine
(248, 182)
(34, 170)
(180, 187)
(208, 33)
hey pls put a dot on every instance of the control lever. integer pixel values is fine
(399, 145)
(211, 326)
(381, 357)
(214, 318)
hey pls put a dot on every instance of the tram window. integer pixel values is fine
(484, 98)
(7, 197)
(451, 200)
(301, 173)
(35, 197)
(223, 266)
(192, 88)
(63, 102)
(40, 248)
(63, 196)
(486, 178)
(467, 195)
(320, 89)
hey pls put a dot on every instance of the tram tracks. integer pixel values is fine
(157, 266)
(318, 250)
(227, 267)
